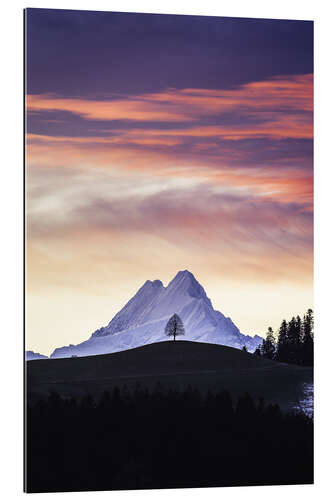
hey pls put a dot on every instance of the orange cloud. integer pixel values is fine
(123, 109)
(293, 93)
(289, 92)
(286, 187)
(93, 140)
(278, 127)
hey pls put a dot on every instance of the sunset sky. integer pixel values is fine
(161, 143)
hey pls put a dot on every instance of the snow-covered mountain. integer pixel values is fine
(142, 320)
(29, 355)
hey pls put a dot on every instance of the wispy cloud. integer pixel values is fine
(190, 211)
(134, 109)
(277, 94)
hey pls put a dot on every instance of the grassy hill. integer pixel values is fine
(172, 364)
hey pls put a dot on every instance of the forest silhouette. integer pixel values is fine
(143, 439)
(294, 343)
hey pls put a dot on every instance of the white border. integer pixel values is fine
(11, 241)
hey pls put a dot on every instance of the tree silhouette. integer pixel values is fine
(268, 345)
(282, 343)
(307, 346)
(298, 339)
(174, 327)
(294, 335)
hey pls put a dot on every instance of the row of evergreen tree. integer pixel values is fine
(293, 342)
(164, 438)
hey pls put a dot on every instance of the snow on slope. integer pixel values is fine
(142, 320)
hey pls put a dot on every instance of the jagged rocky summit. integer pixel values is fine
(142, 320)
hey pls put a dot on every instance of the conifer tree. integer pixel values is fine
(307, 344)
(268, 345)
(282, 342)
(292, 341)
(298, 339)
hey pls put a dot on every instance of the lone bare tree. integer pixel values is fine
(174, 327)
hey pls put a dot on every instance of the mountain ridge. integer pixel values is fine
(142, 320)
(31, 355)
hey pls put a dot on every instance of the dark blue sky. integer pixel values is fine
(81, 53)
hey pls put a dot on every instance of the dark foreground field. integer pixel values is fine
(175, 365)
(130, 420)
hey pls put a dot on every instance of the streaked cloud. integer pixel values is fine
(118, 109)
(286, 94)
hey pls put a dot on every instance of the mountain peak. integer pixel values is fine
(152, 284)
(184, 281)
(157, 283)
(181, 275)
(184, 273)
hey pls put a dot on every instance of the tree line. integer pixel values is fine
(164, 439)
(293, 342)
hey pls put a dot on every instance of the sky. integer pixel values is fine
(157, 143)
